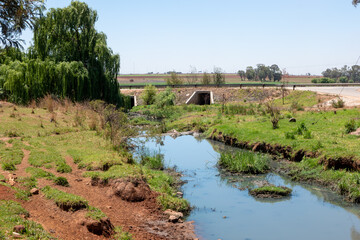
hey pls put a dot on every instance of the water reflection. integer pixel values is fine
(225, 210)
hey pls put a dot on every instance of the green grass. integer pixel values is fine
(11, 215)
(244, 162)
(272, 190)
(153, 161)
(39, 173)
(65, 201)
(11, 156)
(95, 213)
(61, 181)
(120, 234)
(26, 183)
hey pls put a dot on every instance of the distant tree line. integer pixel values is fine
(217, 77)
(69, 58)
(345, 74)
(261, 73)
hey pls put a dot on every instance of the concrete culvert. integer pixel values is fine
(201, 98)
(133, 102)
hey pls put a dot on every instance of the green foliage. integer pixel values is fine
(61, 181)
(121, 235)
(174, 79)
(350, 126)
(165, 98)
(219, 76)
(154, 161)
(8, 166)
(272, 190)
(173, 203)
(148, 96)
(65, 201)
(11, 214)
(39, 173)
(290, 135)
(338, 103)
(206, 78)
(244, 162)
(95, 213)
(66, 60)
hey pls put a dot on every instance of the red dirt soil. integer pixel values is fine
(144, 220)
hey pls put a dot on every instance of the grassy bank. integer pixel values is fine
(52, 134)
(316, 137)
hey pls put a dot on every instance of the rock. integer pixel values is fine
(174, 216)
(16, 235)
(34, 191)
(292, 120)
(179, 194)
(11, 179)
(131, 190)
(19, 229)
(103, 227)
(356, 133)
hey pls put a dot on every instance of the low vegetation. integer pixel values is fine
(270, 192)
(12, 214)
(244, 162)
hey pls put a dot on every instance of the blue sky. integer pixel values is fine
(162, 35)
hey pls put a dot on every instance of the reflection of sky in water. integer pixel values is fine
(308, 214)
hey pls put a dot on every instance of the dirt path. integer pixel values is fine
(144, 220)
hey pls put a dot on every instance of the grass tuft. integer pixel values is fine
(245, 162)
(65, 201)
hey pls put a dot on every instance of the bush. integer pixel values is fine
(174, 79)
(343, 80)
(61, 181)
(156, 161)
(148, 96)
(350, 126)
(315, 80)
(8, 166)
(290, 135)
(339, 103)
(165, 98)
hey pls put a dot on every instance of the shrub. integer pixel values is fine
(338, 103)
(155, 161)
(290, 135)
(8, 166)
(206, 79)
(61, 181)
(174, 79)
(350, 126)
(165, 98)
(315, 80)
(307, 134)
(148, 96)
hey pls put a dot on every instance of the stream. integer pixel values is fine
(223, 208)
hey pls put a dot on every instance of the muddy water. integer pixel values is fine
(225, 210)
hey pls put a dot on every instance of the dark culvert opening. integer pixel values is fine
(200, 98)
(204, 99)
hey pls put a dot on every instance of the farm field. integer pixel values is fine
(160, 79)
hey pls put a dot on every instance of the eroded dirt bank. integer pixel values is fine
(143, 218)
(286, 152)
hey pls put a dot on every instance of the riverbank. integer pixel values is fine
(65, 163)
(316, 138)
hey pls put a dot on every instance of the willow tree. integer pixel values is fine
(69, 35)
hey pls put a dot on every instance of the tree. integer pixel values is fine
(276, 72)
(242, 75)
(16, 16)
(68, 34)
(218, 77)
(250, 73)
(206, 79)
(174, 79)
(355, 2)
(262, 72)
(149, 95)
